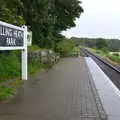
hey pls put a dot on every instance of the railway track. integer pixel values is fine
(112, 72)
(118, 67)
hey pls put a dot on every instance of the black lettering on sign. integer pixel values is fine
(11, 37)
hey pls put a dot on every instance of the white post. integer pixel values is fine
(24, 56)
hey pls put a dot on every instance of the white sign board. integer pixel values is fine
(15, 38)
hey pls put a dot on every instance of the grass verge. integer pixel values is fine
(34, 67)
(6, 92)
(10, 66)
(114, 59)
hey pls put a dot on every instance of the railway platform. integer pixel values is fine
(66, 92)
(109, 93)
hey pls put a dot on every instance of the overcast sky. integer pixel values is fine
(101, 18)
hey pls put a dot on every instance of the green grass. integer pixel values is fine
(34, 67)
(114, 58)
(99, 52)
(10, 69)
(5, 92)
(9, 65)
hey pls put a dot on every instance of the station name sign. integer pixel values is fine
(10, 37)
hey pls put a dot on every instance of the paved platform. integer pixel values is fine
(65, 92)
(108, 92)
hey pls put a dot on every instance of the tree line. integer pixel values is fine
(45, 18)
(98, 43)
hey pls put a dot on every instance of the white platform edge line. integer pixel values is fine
(116, 90)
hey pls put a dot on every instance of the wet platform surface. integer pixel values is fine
(108, 91)
(65, 92)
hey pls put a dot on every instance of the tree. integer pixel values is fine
(48, 18)
(65, 47)
(114, 45)
(101, 43)
(66, 12)
(10, 11)
(45, 18)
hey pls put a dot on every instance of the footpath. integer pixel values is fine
(66, 92)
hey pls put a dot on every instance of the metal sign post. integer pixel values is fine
(15, 38)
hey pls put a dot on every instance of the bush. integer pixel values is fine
(116, 54)
(34, 48)
(65, 48)
(76, 52)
